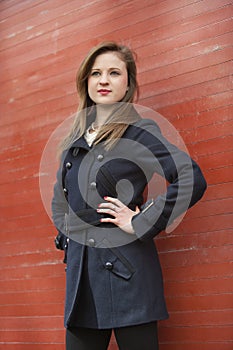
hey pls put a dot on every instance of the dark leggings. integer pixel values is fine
(128, 338)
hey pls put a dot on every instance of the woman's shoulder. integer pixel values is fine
(143, 127)
(147, 124)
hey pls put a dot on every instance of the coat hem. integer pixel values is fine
(136, 323)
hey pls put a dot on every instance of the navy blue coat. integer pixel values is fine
(114, 279)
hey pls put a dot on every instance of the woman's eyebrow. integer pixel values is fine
(111, 68)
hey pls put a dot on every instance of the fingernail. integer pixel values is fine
(106, 197)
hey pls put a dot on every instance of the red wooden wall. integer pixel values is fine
(185, 56)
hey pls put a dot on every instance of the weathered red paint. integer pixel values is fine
(185, 56)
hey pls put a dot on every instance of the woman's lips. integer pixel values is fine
(104, 91)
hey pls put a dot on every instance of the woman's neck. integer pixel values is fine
(102, 114)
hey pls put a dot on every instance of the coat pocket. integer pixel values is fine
(114, 261)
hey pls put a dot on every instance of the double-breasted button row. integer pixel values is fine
(108, 265)
(91, 242)
(65, 191)
(68, 165)
(100, 157)
(93, 185)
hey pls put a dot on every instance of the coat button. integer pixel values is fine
(91, 242)
(109, 265)
(65, 191)
(100, 157)
(68, 165)
(93, 185)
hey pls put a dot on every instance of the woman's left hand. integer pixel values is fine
(121, 213)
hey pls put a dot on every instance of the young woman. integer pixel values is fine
(105, 224)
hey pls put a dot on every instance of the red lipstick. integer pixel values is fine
(104, 91)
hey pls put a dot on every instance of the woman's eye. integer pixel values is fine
(115, 73)
(95, 74)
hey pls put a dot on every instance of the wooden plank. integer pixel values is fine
(200, 334)
(197, 256)
(180, 242)
(198, 271)
(24, 322)
(43, 297)
(33, 245)
(202, 118)
(172, 107)
(206, 345)
(25, 346)
(44, 257)
(221, 175)
(31, 310)
(34, 284)
(221, 159)
(200, 302)
(206, 224)
(201, 318)
(221, 190)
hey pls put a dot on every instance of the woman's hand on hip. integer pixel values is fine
(122, 215)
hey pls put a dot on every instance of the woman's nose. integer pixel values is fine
(103, 79)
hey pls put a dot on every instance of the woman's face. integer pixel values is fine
(108, 80)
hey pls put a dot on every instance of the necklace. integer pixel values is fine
(93, 127)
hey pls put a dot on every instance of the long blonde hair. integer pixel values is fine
(122, 116)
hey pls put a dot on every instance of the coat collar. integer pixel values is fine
(81, 143)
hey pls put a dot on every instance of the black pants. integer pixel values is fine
(140, 337)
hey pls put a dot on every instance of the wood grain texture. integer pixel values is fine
(185, 53)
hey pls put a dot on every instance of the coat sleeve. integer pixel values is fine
(186, 182)
(59, 209)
